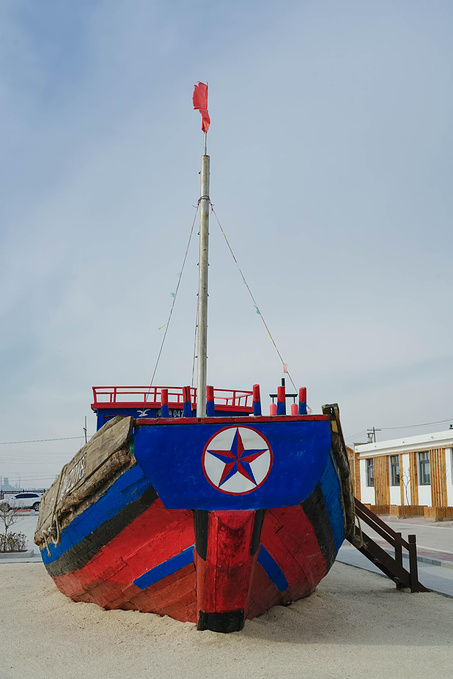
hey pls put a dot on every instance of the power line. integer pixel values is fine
(42, 453)
(410, 426)
(363, 431)
(29, 479)
(65, 438)
(407, 426)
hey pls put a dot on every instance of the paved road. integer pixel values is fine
(433, 536)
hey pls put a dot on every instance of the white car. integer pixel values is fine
(22, 501)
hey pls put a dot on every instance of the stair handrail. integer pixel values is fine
(392, 567)
(382, 528)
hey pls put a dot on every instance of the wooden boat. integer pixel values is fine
(192, 503)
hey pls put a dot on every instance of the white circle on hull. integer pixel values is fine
(237, 460)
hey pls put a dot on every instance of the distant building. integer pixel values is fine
(411, 476)
(5, 484)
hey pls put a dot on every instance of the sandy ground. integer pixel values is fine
(356, 624)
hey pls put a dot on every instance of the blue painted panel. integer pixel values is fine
(182, 460)
(273, 570)
(166, 568)
(331, 490)
(129, 487)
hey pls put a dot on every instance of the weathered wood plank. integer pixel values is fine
(402, 498)
(91, 468)
(438, 478)
(381, 480)
(413, 478)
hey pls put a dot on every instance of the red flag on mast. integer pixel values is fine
(200, 102)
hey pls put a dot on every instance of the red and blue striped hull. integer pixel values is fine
(207, 565)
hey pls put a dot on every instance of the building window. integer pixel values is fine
(424, 476)
(370, 472)
(394, 470)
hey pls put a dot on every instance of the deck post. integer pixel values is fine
(256, 400)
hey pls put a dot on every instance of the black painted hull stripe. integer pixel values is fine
(79, 555)
(316, 512)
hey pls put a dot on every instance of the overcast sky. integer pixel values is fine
(331, 171)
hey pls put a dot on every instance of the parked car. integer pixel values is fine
(22, 501)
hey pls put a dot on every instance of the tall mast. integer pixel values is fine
(202, 346)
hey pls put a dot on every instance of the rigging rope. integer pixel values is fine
(285, 368)
(175, 294)
(195, 346)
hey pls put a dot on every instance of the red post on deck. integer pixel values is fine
(302, 401)
(164, 402)
(187, 403)
(281, 401)
(256, 400)
(210, 405)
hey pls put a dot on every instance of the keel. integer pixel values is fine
(226, 551)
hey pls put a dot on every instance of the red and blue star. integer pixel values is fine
(237, 458)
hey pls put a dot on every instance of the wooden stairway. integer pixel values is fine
(389, 565)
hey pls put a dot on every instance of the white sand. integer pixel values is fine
(356, 625)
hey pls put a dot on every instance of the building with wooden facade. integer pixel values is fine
(411, 476)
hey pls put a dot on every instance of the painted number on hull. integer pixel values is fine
(237, 460)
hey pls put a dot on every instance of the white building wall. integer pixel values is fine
(406, 475)
(449, 466)
(366, 492)
(424, 495)
(395, 495)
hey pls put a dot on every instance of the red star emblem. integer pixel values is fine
(237, 459)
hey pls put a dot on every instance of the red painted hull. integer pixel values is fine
(241, 583)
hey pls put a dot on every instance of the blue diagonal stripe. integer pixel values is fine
(273, 570)
(166, 568)
(126, 489)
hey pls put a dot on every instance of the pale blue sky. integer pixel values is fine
(331, 155)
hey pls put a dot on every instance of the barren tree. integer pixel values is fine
(406, 478)
(8, 516)
(10, 542)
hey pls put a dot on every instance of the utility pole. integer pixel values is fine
(371, 433)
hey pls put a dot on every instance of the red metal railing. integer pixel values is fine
(129, 396)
